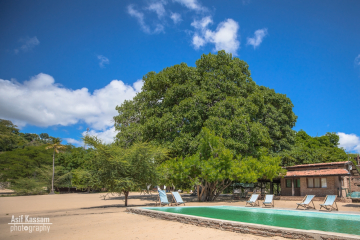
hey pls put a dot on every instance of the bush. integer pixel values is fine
(28, 186)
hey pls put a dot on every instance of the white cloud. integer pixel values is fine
(198, 41)
(357, 61)
(176, 17)
(258, 37)
(42, 102)
(74, 142)
(224, 37)
(158, 8)
(191, 4)
(159, 28)
(103, 60)
(202, 24)
(350, 142)
(140, 17)
(106, 136)
(28, 44)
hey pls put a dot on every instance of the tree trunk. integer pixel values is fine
(198, 192)
(126, 197)
(53, 174)
(210, 191)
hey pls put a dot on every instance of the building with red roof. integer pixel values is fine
(320, 179)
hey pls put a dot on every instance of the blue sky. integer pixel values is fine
(65, 65)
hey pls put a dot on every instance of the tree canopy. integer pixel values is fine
(213, 167)
(176, 103)
(123, 170)
(309, 149)
(8, 135)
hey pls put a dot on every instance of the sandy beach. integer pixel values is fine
(89, 216)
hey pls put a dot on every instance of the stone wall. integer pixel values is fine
(245, 228)
(355, 184)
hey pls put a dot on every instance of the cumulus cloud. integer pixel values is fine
(192, 5)
(42, 102)
(28, 44)
(103, 60)
(258, 37)
(350, 142)
(202, 24)
(198, 41)
(176, 17)
(158, 8)
(224, 37)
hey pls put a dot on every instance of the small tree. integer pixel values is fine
(122, 170)
(57, 147)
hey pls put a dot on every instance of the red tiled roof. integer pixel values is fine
(318, 164)
(322, 172)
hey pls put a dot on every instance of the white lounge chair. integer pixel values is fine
(253, 199)
(329, 202)
(269, 200)
(177, 198)
(306, 202)
(163, 200)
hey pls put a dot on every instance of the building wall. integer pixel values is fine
(288, 191)
(333, 187)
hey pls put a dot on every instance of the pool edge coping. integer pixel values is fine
(243, 227)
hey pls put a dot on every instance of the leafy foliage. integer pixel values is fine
(176, 103)
(309, 149)
(8, 135)
(23, 162)
(213, 167)
(28, 186)
(11, 138)
(121, 170)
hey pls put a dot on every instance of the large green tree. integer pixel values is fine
(176, 103)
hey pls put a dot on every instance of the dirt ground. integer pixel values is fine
(89, 216)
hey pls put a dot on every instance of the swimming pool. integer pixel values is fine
(322, 221)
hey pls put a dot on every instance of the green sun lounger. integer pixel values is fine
(329, 203)
(177, 198)
(253, 201)
(162, 198)
(306, 202)
(269, 200)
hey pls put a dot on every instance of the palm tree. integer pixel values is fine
(57, 147)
